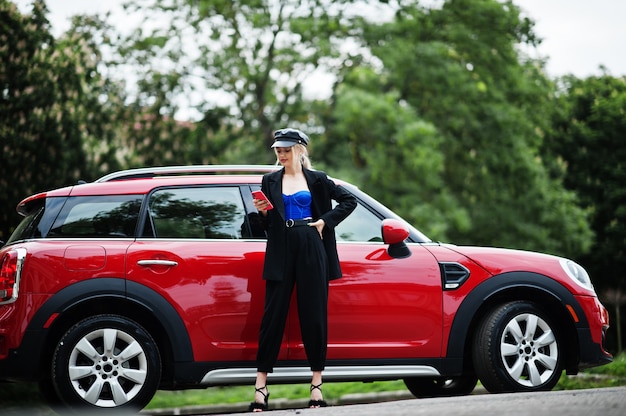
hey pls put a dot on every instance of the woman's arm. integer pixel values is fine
(346, 203)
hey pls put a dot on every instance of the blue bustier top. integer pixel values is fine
(298, 205)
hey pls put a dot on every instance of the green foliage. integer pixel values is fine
(60, 117)
(610, 375)
(42, 93)
(458, 68)
(588, 150)
(246, 61)
(398, 156)
(615, 369)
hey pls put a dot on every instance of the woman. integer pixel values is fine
(302, 252)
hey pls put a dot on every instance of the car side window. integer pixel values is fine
(200, 212)
(361, 226)
(97, 216)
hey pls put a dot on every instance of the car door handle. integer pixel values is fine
(170, 263)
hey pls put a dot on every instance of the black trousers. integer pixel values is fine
(307, 270)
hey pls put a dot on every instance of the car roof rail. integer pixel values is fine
(186, 170)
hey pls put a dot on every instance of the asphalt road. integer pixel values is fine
(589, 402)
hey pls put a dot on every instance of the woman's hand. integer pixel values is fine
(319, 224)
(261, 205)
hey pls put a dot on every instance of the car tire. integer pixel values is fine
(517, 348)
(106, 362)
(424, 387)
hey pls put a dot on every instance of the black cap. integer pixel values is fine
(288, 137)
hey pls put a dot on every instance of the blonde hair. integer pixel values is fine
(303, 153)
(304, 156)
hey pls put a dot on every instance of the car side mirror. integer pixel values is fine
(394, 233)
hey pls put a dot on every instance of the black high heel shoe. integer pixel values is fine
(260, 407)
(317, 403)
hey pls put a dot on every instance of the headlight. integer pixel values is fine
(576, 273)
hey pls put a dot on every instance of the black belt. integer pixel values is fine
(297, 223)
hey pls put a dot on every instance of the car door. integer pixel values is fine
(382, 307)
(199, 254)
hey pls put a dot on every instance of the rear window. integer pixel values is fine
(27, 227)
(36, 224)
(97, 216)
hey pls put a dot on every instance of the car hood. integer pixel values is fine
(500, 260)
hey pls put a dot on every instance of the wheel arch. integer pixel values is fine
(549, 295)
(112, 296)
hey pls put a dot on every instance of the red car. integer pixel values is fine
(151, 279)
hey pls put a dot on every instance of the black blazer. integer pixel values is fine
(323, 190)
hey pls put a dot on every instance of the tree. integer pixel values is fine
(588, 146)
(240, 65)
(40, 136)
(394, 153)
(58, 110)
(459, 68)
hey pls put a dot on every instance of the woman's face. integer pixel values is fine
(285, 155)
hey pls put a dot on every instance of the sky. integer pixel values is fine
(578, 35)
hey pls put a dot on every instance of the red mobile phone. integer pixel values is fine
(260, 195)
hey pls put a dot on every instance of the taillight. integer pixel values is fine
(10, 272)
